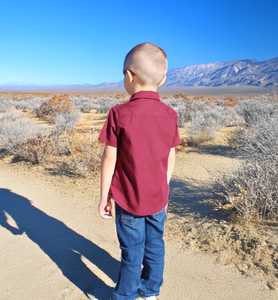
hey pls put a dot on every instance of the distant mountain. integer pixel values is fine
(112, 84)
(59, 87)
(238, 72)
(19, 86)
(232, 73)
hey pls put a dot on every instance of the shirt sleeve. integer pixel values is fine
(108, 133)
(176, 139)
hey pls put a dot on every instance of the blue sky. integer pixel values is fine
(85, 41)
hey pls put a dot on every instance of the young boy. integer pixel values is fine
(137, 164)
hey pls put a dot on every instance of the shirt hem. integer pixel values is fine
(140, 215)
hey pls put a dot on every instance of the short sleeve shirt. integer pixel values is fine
(143, 130)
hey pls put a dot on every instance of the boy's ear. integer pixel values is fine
(162, 81)
(129, 76)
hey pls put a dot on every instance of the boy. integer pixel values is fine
(137, 164)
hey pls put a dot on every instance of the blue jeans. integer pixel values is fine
(143, 250)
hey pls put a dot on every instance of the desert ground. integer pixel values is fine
(55, 246)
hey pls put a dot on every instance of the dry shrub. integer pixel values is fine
(66, 121)
(123, 97)
(206, 122)
(14, 130)
(198, 98)
(251, 192)
(231, 102)
(30, 102)
(237, 137)
(101, 104)
(38, 150)
(56, 105)
(11, 114)
(182, 96)
(61, 111)
(22, 138)
(37, 143)
(207, 116)
(85, 151)
(254, 110)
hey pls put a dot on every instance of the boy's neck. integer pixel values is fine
(139, 88)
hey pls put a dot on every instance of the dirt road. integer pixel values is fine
(54, 245)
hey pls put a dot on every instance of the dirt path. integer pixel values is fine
(54, 246)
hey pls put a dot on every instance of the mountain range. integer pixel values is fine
(233, 73)
(239, 72)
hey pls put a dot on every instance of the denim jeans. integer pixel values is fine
(143, 250)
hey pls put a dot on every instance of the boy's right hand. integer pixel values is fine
(105, 209)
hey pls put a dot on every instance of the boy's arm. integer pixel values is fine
(108, 162)
(171, 163)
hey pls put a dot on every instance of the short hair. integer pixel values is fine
(148, 62)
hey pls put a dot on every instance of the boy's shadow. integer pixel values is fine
(63, 245)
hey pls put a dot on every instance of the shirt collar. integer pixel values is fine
(146, 95)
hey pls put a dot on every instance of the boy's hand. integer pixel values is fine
(105, 209)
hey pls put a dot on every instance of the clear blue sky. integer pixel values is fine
(85, 41)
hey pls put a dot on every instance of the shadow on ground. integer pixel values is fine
(186, 197)
(63, 245)
(3, 153)
(61, 169)
(218, 150)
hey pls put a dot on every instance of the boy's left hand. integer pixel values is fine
(105, 209)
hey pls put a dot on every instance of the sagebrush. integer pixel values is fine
(21, 137)
(251, 192)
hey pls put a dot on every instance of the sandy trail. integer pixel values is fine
(54, 245)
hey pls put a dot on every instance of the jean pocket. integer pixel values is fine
(128, 218)
(159, 215)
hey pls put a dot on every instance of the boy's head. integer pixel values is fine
(148, 63)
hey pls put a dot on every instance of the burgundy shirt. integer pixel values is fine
(143, 130)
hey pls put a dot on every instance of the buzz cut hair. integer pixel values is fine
(148, 62)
